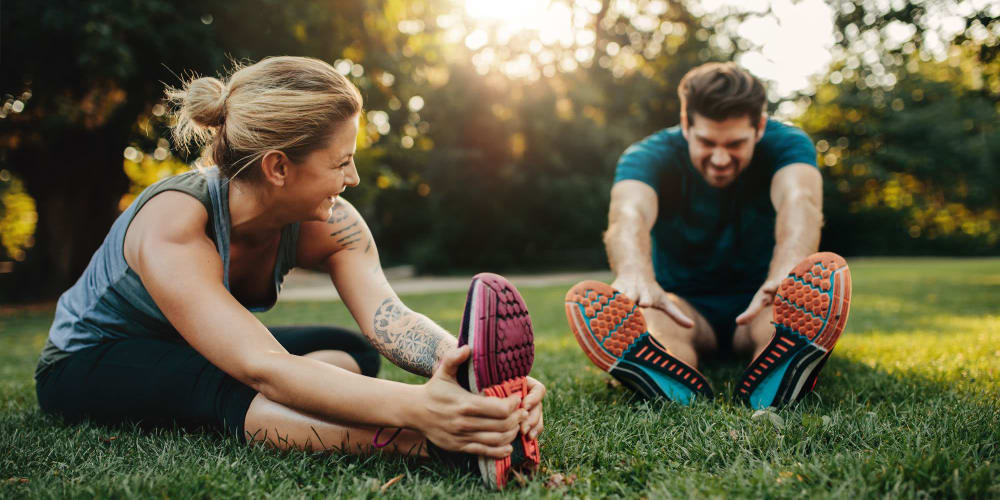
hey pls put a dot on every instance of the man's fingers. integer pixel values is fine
(668, 306)
(747, 315)
(644, 299)
(759, 302)
(627, 288)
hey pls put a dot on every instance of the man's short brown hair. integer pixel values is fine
(719, 91)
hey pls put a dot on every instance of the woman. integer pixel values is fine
(159, 327)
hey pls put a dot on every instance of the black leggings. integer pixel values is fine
(160, 382)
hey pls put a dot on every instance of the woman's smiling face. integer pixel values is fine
(325, 173)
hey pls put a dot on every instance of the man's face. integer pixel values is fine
(720, 150)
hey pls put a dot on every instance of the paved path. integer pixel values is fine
(303, 285)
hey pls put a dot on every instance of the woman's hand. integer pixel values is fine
(458, 420)
(533, 425)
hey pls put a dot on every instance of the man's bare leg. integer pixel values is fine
(687, 344)
(753, 338)
(285, 428)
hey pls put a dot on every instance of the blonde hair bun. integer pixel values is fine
(205, 101)
(289, 104)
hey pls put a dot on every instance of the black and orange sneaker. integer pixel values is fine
(810, 311)
(497, 326)
(612, 332)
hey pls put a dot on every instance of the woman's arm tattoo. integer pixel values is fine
(410, 340)
(348, 228)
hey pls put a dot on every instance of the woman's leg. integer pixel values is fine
(151, 381)
(338, 346)
(284, 428)
(159, 382)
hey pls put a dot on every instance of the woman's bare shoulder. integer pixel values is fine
(168, 217)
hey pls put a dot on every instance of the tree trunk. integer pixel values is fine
(76, 182)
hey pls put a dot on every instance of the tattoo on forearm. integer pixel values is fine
(408, 339)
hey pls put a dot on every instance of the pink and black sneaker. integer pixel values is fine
(497, 326)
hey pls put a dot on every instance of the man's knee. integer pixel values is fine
(754, 337)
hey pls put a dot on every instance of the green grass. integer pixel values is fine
(909, 405)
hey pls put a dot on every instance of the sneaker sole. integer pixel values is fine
(810, 312)
(612, 332)
(497, 326)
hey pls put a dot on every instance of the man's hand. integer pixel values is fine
(763, 298)
(797, 195)
(647, 293)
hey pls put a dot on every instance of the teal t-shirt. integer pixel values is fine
(707, 240)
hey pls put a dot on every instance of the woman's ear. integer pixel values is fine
(274, 166)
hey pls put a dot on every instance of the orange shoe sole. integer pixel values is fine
(810, 312)
(612, 332)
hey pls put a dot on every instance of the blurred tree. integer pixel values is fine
(482, 146)
(507, 163)
(485, 144)
(906, 127)
(83, 81)
(77, 77)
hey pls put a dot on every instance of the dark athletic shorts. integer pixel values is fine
(721, 312)
(161, 382)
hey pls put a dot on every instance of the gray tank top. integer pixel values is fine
(109, 302)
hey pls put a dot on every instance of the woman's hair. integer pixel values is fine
(719, 91)
(289, 104)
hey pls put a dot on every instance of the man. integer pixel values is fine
(712, 231)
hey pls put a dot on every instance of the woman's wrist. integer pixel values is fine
(410, 409)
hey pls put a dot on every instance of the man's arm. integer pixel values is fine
(797, 195)
(634, 206)
(345, 248)
(630, 219)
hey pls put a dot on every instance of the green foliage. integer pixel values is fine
(504, 170)
(17, 218)
(907, 406)
(907, 132)
(921, 155)
(483, 148)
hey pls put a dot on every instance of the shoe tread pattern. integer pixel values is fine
(810, 312)
(612, 330)
(509, 335)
